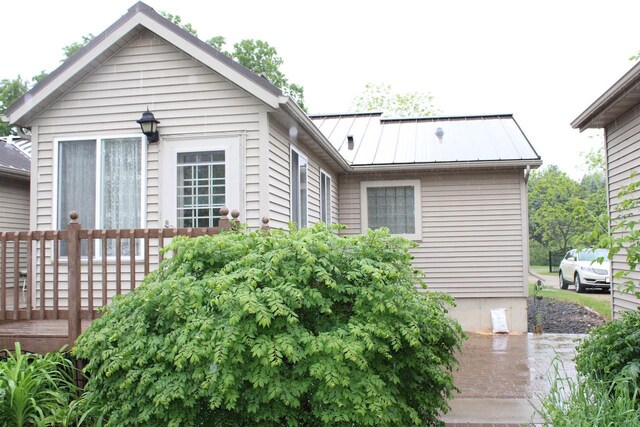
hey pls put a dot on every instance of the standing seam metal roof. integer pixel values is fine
(380, 141)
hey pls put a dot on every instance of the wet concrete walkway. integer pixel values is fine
(502, 376)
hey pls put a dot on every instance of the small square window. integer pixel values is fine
(392, 204)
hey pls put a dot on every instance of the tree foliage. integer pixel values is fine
(299, 328)
(69, 50)
(10, 91)
(564, 213)
(380, 97)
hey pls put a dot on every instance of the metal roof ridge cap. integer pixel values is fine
(447, 118)
(360, 113)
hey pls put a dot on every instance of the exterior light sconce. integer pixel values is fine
(149, 126)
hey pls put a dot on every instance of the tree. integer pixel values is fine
(379, 97)
(10, 91)
(256, 55)
(70, 49)
(303, 328)
(552, 205)
(263, 59)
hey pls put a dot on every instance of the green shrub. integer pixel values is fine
(36, 390)
(587, 401)
(299, 328)
(612, 349)
(538, 253)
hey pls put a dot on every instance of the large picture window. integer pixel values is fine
(299, 180)
(392, 204)
(102, 180)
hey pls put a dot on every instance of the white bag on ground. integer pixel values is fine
(499, 321)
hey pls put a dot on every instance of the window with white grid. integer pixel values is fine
(200, 188)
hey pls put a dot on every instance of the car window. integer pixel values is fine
(593, 254)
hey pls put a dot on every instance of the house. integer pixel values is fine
(15, 167)
(457, 186)
(617, 111)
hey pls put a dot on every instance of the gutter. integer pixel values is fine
(408, 167)
(301, 117)
(600, 105)
(15, 173)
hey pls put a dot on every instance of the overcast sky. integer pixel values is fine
(543, 61)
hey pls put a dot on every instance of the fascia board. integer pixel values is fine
(153, 26)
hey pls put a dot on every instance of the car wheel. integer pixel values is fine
(578, 283)
(563, 283)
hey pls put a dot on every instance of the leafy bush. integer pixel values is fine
(587, 401)
(36, 390)
(538, 253)
(304, 328)
(612, 350)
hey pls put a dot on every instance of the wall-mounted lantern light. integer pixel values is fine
(149, 126)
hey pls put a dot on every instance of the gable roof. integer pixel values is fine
(614, 102)
(428, 141)
(13, 160)
(107, 43)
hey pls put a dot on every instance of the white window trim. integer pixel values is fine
(415, 183)
(232, 146)
(98, 207)
(329, 203)
(304, 156)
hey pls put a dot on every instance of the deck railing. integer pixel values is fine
(69, 274)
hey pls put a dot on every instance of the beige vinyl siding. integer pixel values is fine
(280, 180)
(623, 159)
(14, 216)
(472, 229)
(187, 97)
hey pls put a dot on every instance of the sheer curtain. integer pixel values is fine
(77, 182)
(76, 185)
(121, 186)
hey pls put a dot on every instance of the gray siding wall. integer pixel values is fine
(280, 181)
(187, 97)
(14, 216)
(623, 158)
(474, 229)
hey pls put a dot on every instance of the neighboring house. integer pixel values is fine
(617, 111)
(457, 186)
(15, 167)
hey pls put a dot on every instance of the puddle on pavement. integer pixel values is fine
(512, 366)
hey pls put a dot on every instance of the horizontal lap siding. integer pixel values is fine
(280, 181)
(187, 97)
(472, 230)
(14, 216)
(623, 160)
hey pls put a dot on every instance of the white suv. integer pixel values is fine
(581, 268)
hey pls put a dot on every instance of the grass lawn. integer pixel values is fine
(541, 269)
(593, 301)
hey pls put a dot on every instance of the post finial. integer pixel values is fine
(235, 214)
(74, 216)
(224, 211)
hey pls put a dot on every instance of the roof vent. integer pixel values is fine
(439, 134)
(350, 142)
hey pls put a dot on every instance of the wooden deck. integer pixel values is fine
(36, 336)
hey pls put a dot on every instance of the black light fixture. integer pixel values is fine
(149, 126)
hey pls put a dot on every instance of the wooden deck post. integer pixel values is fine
(224, 222)
(75, 304)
